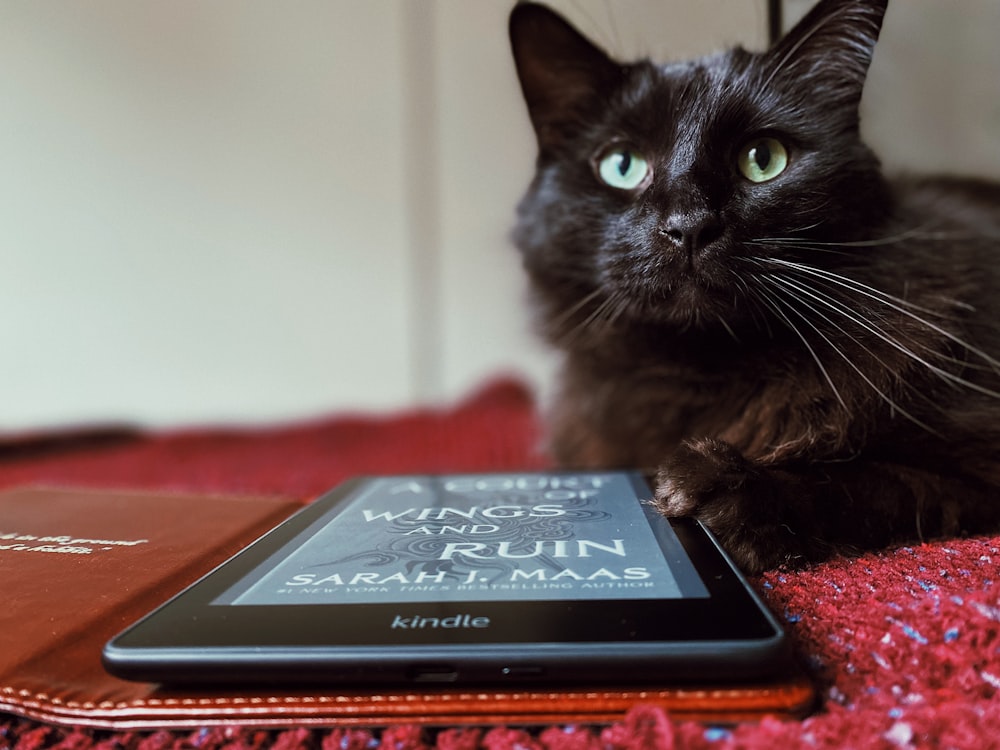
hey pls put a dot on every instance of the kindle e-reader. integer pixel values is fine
(547, 577)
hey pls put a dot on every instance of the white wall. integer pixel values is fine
(202, 211)
(245, 210)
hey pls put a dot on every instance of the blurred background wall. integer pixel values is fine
(932, 99)
(245, 211)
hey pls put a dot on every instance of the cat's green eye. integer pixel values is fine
(623, 168)
(763, 159)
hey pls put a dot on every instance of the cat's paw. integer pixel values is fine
(702, 475)
(740, 502)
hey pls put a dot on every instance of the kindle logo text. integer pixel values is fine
(417, 622)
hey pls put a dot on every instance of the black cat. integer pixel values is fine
(805, 353)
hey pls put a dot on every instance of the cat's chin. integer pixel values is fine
(687, 305)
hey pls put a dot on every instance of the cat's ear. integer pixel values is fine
(564, 77)
(830, 49)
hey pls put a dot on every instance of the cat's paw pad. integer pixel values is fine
(699, 474)
(671, 500)
(711, 481)
(745, 505)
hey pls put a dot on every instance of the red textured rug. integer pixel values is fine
(905, 645)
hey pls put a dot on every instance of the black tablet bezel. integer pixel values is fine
(189, 639)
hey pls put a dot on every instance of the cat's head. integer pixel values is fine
(658, 185)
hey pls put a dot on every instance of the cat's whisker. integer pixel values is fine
(600, 320)
(798, 244)
(847, 313)
(729, 330)
(904, 236)
(564, 324)
(773, 305)
(859, 343)
(852, 284)
(565, 316)
(751, 296)
(884, 298)
(957, 303)
(847, 310)
(806, 227)
(891, 402)
(811, 298)
(615, 308)
(586, 325)
(895, 303)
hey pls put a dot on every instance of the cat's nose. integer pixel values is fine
(691, 231)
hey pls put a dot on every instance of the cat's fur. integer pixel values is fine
(809, 364)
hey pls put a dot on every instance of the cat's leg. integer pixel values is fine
(795, 513)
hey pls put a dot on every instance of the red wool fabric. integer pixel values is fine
(904, 644)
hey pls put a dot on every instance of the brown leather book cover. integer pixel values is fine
(79, 566)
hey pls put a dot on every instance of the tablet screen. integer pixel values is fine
(478, 538)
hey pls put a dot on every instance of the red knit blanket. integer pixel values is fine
(905, 645)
